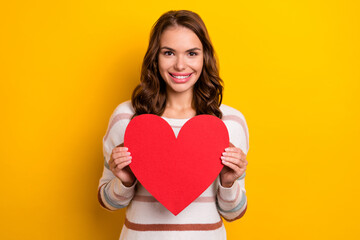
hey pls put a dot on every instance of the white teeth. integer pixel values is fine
(181, 77)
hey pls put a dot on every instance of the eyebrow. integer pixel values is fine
(190, 50)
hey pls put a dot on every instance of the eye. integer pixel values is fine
(168, 53)
(193, 53)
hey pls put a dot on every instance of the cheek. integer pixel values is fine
(198, 65)
(163, 68)
(164, 65)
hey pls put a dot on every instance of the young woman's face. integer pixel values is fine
(180, 59)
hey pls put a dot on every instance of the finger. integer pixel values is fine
(121, 160)
(231, 165)
(122, 165)
(234, 149)
(111, 160)
(114, 161)
(231, 149)
(235, 161)
(238, 150)
(120, 149)
(244, 161)
(232, 154)
(121, 154)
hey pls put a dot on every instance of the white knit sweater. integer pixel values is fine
(148, 219)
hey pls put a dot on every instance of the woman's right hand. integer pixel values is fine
(119, 165)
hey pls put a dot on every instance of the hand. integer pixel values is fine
(235, 163)
(119, 165)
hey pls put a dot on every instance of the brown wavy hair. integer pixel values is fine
(150, 95)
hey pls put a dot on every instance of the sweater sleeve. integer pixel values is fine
(232, 202)
(112, 194)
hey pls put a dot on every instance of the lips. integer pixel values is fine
(181, 79)
(180, 74)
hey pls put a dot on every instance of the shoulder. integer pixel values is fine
(124, 108)
(118, 122)
(237, 126)
(230, 112)
(123, 111)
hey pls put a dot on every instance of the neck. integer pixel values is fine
(179, 100)
(179, 105)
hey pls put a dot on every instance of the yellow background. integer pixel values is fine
(291, 67)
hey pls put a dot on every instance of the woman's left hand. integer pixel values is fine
(235, 163)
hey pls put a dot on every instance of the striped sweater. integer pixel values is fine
(146, 218)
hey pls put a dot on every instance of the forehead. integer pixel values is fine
(180, 38)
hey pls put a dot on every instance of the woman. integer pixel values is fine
(179, 80)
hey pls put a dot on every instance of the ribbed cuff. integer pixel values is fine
(122, 190)
(229, 194)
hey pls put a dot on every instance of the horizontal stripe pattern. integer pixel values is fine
(140, 198)
(144, 205)
(117, 118)
(100, 199)
(120, 197)
(238, 217)
(241, 122)
(238, 207)
(172, 227)
(128, 116)
(109, 201)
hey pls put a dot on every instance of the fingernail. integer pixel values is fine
(224, 153)
(129, 157)
(223, 157)
(227, 149)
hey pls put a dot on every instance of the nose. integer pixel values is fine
(180, 63)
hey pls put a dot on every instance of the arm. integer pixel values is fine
(232, 202)
(113, 193)
(231, 195)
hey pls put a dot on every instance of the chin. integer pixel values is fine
(179, 89)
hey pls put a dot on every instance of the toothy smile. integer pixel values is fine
(180, 76)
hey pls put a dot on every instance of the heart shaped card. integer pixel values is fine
(176, 171)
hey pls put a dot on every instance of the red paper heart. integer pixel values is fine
(176, 170)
